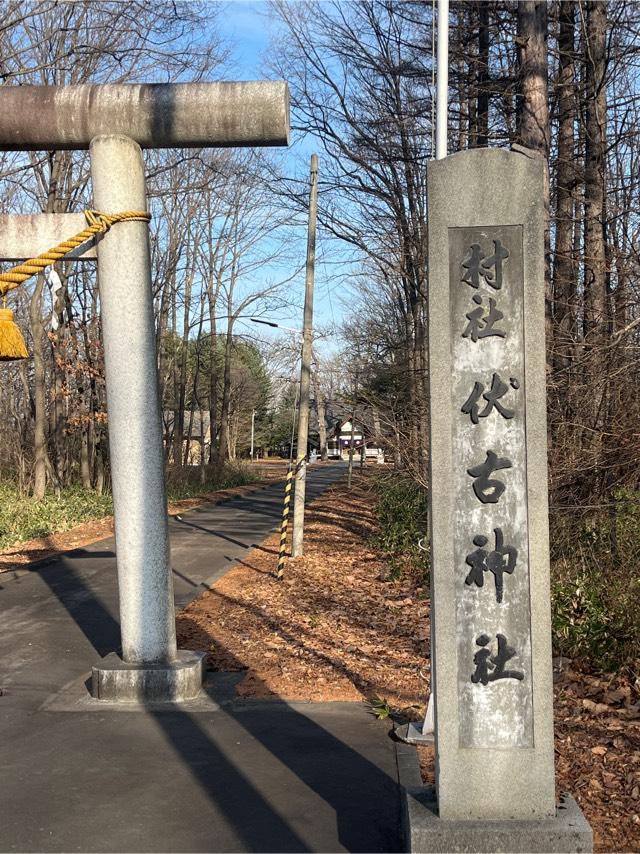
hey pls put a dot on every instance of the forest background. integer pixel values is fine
(560, 78)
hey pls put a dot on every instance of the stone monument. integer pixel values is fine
(491, 635)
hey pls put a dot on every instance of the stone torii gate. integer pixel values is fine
(115, 122)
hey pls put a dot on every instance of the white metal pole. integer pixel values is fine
(442, 110)
(442, 79)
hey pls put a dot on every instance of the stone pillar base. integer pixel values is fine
(426, 832)
(412, 733)
(117, 681)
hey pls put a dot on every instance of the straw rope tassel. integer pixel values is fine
(12, 344)
(11, 341)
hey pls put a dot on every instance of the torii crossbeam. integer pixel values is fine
(115, 122)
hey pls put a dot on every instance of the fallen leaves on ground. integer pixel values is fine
(597, 726)
(333, 629)
(337, 629)
(597, 753)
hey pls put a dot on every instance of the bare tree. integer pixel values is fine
(59, 44)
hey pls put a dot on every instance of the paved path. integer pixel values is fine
(218, 775)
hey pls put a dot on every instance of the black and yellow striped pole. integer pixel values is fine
(285, 520)
(291, 473)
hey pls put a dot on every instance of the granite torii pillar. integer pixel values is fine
(115, 122)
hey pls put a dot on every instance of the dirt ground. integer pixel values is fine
(40, 548)
(337, 628)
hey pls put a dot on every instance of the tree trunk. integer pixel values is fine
(178, 413)
(61, 345)
(350, 469)
(232, 435)
(595, 151)
(203, 470)
(483, 74)
(163, 371)
(39, 393)
(182, 373)
(422, 386)
(377, 430)
(41, 457)
(213, 400)
(595, 254)
(322, 424)
(533, 118)
(533, 109)
(212, 296)
(564, 278)
(463, 105)
(99, 464)
(472, 77)
(85, 468)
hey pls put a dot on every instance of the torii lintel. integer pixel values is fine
(155, 115)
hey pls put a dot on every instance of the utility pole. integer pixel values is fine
(353, 421)
(253, 423)
(305, 370)
(353, 428)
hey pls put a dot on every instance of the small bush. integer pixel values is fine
(403, 513)
(595, 584)
(380, 708)
(186, 482)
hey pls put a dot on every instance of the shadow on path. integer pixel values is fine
(254, 820)
(216, 534)
(84, 605)
(364, 797)
(328, 769)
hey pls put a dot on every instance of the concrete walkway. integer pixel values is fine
(215, 775)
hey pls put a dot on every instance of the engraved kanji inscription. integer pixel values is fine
(489, 490)
(490, 668)
(481, 323)
(472, 265)
(487, 516)
(492, 397)
(498, 562)
(489, 267)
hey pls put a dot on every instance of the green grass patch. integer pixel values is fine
(186, 482)
(403, 515)
(22, 518)
(595, 584)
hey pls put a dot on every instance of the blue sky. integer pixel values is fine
(248, 28)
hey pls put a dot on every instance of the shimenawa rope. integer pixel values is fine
(12, 344)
